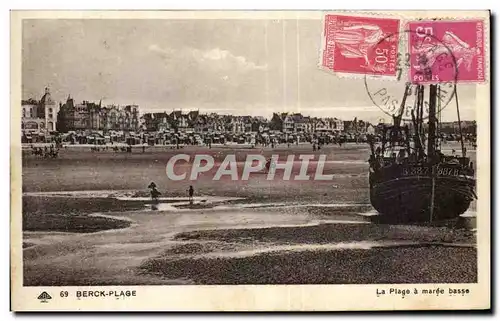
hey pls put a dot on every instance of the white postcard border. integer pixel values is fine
(244, 297)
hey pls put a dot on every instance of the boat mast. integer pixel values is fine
(460, 125)
(431, 145)
(397, 119)
(421, 133)
(416, 116)
(431, 142)
(439, 119)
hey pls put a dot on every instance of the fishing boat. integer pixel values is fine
(411, 179)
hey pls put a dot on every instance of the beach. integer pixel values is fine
(87, 220)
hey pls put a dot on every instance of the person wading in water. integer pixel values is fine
(154, 192)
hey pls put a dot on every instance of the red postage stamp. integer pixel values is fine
(446, 51)
(360, 45)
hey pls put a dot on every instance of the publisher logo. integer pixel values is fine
(44, 297)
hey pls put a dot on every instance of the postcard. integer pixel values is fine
(250, 160)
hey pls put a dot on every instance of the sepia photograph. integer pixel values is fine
(251, 148)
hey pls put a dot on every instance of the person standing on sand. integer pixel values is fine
(191, 192)
(268, 164)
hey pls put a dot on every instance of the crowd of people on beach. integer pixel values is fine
(45, 152)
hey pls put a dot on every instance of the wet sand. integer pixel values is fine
(327, 253)
(78, 170)
(235, 245)
(333, 233)
(87, 221)
(423, 264)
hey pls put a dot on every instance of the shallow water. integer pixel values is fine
(114, 255)
(243, 220)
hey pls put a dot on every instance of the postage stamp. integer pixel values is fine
(360, 45)
(199, 170)
(446, 50)
(389, 96)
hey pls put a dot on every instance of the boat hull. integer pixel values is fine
(408, 198)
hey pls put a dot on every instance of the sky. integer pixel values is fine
(240, 67)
